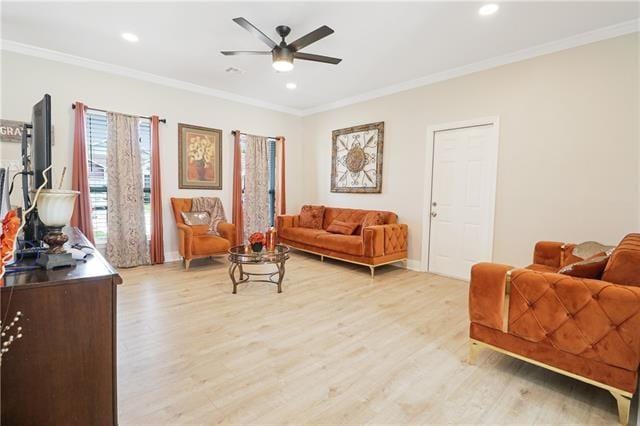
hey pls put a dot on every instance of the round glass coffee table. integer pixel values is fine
(241, 255)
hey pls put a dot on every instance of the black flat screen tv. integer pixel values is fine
(36, 158)
(41, 142)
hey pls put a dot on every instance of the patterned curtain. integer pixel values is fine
(256, 186)
(126, 237)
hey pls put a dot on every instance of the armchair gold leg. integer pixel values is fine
(321, 258)
(187, 262)
(624, 407)
(474, 348)
(373, 271)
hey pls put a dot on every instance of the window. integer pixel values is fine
(271, 145)
(96, 139)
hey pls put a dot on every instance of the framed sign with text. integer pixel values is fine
(11, 131)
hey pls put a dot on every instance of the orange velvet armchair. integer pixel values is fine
(196, 241)
(587, 329)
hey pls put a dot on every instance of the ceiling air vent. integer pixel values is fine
(234, 70)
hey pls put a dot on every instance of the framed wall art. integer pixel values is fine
(200, 157)
(356, 159)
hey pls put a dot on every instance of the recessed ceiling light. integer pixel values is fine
(291, 86)
(488, 9)
(130, 37)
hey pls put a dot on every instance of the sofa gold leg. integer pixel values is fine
(474, 349)
(373, 271)
(321, 258)
(187, 262)
(624, 407)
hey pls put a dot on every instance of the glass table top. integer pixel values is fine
(244, 254)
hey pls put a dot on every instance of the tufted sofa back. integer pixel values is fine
(353, 216)
(180, 205)
(624, 265)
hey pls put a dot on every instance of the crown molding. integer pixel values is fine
(520, 55)
(53, 55)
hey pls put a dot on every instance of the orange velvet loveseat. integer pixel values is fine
(196, 241)
(588, 329)
(370, 246)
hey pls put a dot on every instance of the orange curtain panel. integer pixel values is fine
(80, 176)
(157, 240)
(237, 188)
(281, 198)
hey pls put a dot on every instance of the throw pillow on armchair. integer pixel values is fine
(589, 268)
(196, 218)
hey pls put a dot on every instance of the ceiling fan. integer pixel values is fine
(282, 54)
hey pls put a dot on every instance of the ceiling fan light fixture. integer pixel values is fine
(283, 65)
(283, 53)
(282, 59)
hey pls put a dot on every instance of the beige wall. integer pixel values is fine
(569, 139)
(25, 79)
(568, 155)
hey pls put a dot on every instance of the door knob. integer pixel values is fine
(434, 214)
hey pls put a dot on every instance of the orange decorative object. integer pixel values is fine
(10, 226)
(584, 328)
(271, 239)
(256, 238)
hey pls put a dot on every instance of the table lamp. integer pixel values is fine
(55, 207)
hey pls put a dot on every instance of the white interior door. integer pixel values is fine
(462, 199)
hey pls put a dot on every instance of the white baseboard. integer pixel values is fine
(414, 265)
(172, 256)
(411, 264)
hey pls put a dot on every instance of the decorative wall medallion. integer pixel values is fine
(356, 159)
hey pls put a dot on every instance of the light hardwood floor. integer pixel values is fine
(335, 347)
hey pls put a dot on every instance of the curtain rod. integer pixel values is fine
(162, 120)
(233, 132)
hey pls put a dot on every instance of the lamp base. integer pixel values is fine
(55, 260)
(55, 239)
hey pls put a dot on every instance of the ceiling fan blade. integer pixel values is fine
(243, 52)
(316, 58)
(255, 31)
(312, 37)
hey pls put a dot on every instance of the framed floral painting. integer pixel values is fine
(200, 157)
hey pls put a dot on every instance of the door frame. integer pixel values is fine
(428, 177)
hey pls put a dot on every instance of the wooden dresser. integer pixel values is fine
(63, 370)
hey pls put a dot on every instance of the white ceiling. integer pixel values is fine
(382, 44)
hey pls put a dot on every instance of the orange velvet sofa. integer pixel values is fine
(370, 246)
(587, 329)
(195, 241)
